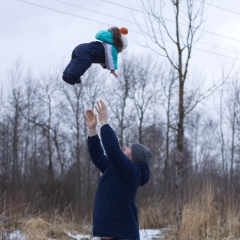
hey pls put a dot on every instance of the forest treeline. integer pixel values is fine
(44, 160)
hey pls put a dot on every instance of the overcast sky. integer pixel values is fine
(44, 37)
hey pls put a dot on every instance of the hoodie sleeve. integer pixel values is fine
(97, 155)
(124, 166)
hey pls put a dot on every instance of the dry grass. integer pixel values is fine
(16, 214)
(209, 218)
(204, 217)
(40, 226)
(155, 214)
(40, 229)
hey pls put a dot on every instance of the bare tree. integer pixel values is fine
(144, 91)
(183, 37)
(29, 149)
(47, 120)
(229, 119)
(222, 138)
(73, 111)
(5, 162)
(168, 88)
(13, 112)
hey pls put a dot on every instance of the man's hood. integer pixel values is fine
(145, 174)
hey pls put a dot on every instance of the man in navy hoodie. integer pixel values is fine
(115, 214)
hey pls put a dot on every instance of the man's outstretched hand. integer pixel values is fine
(102, 113)
(91, 120)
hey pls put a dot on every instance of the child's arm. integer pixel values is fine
(114, 73)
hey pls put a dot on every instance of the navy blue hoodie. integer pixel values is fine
(115, 212)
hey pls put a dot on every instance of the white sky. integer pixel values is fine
(44, 39)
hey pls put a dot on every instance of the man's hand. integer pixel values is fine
(102, 113)
(91, 120)
(114, 73)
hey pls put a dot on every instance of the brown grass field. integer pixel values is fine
(203, 217)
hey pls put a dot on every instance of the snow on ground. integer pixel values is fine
(145, 234)
(17, 235)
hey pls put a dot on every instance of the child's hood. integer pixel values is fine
(105, 36)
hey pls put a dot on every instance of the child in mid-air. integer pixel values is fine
(113, 41)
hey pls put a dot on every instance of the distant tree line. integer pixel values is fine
(44, 161)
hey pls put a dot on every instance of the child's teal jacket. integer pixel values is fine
(111, 52)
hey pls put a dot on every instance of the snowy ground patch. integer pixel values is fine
(145, 234)
(16, 235)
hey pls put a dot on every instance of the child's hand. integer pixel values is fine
(114, 73)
